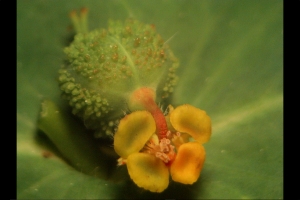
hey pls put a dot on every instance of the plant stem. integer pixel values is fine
(72, 140)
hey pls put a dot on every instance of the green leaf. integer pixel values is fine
(231, 55)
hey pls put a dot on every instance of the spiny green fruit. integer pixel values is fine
(106, 66)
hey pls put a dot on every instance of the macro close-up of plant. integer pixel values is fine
(150, 99)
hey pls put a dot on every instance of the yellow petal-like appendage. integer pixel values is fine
(133, 132)
(188, 164)
(148, 172)
(193, 121)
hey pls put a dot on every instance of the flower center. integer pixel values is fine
(160, 145)
(162, 149)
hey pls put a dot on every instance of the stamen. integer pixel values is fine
(164, 150)
(163, 157)
(168, 133)
(121, 161)
(161, 149)
(164, 143)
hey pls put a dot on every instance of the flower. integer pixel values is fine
(153, 146)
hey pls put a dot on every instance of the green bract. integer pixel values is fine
(106, 66)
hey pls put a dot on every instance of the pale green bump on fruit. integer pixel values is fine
(106, 65)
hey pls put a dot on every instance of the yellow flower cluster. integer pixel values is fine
(153, 146)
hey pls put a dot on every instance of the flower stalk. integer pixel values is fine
(146, 97)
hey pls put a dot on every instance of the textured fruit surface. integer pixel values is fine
(106, 66)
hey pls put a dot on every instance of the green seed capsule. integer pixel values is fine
(106, 66)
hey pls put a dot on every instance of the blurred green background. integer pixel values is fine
(231, 55)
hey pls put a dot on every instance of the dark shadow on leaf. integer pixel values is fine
(103, 147)
(48, 147)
